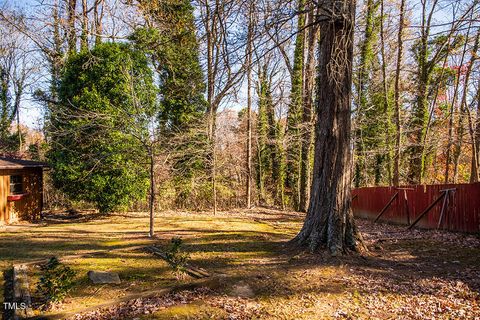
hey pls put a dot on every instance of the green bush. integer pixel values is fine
(56, 281)
(95, 152)
(175, 257)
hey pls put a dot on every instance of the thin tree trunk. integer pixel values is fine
(294, 116)
(249, 106)
(18, 88)
(211, 110)
(214, 172)
(329, 219)
(276, 152)
(463, 110)
(420, 110)
(366, 59)
(260, 173)
(386, 106)
(474, 161)
(18, 96)
(474, 129)
(152, 194)
(85, 32)
(71, 34)
(398, 133)
(432, 109)
(56, 56)
(475, 172)
(98, 17)
(450, 143)
(307, 112)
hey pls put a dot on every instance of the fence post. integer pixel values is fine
(386, 207)
(444, 205)
(427, 209)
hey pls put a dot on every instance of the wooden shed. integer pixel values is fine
(21, 189)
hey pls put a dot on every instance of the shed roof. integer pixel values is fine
(11, 163)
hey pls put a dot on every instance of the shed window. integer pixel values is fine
(16, 184)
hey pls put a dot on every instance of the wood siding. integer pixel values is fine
(4, 192)
(30, 206)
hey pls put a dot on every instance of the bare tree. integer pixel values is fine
(17, 74)
(224, 66)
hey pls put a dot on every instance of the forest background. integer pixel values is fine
(212, 104)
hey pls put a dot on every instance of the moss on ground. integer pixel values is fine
(401, 277)
(191, 311)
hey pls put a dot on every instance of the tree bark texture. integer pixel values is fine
(305, 172)
(85, 31)
(329, 221)
(98, 16)
(71, 36)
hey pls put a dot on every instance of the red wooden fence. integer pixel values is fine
(461, 213)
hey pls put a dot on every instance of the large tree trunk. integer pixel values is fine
(329, 220)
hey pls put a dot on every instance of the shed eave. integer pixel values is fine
(21, 167)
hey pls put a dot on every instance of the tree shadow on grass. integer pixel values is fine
(23, 249)
(265, 261)
(402, 267)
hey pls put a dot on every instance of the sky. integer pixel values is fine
(31, 113)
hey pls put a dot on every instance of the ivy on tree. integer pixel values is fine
(171, 44)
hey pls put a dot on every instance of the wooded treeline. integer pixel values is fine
(208, 104)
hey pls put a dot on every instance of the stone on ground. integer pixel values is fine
(103, 277)
(242, 290)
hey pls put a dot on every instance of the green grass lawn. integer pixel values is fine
(255, 272)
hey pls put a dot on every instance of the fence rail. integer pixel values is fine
(454, 207)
